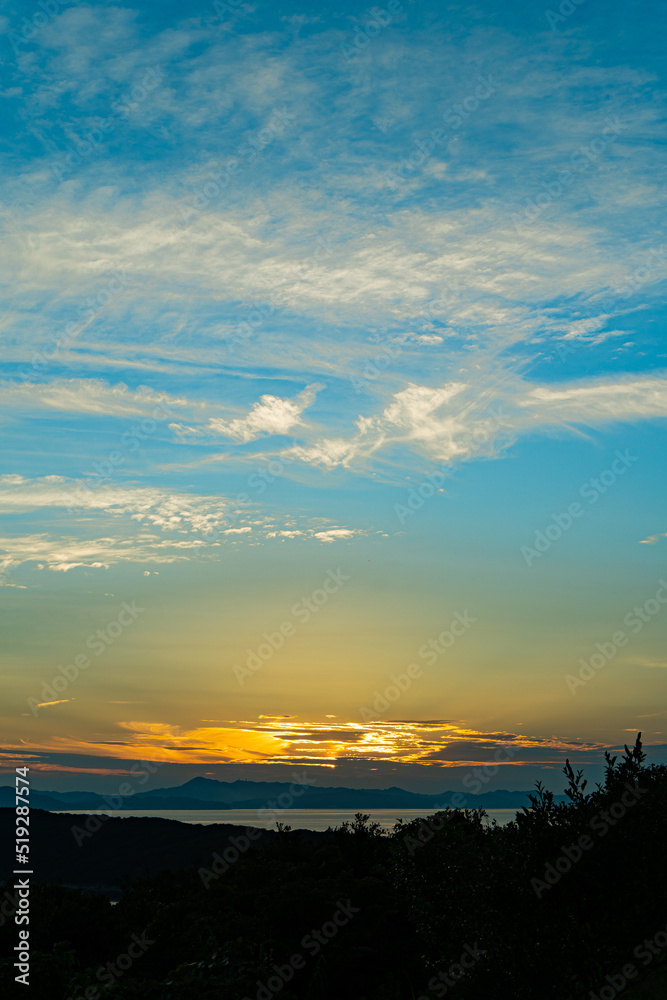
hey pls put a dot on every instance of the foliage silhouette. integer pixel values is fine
(544, 917)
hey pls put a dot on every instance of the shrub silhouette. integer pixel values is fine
(544, 917)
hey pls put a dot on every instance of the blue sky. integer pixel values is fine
(269, 271)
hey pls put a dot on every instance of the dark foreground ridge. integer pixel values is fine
(569, 902)
(105, 852)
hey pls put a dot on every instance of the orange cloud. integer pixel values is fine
(288, 740)
(208, 744)
(435, 741)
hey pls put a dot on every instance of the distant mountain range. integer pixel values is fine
(207, 793)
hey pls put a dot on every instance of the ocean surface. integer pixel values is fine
(298, 819)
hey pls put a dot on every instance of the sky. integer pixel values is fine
(333, 391)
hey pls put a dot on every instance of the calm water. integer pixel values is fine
(298, 819)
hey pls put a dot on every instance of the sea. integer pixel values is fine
(297, 819)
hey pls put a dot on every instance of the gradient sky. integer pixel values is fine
(295, 296)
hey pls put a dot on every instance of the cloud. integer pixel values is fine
(327, 452)
(169, 510)
(335, 534)
(425, 338)
(63, 554)
(456, 421)
(168, 743)
(652, 539)
(271, 415)
(161, 526)
(599, 402)
(91, 396)
(591, 330)
(290, 740)
(174, 513)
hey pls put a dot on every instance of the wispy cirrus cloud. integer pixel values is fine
(90, 396)
(471, 419)
(599, 402)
